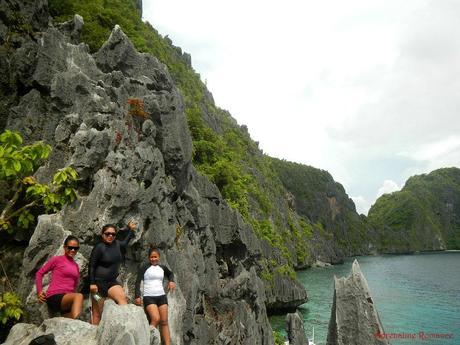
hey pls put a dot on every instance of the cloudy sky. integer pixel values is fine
(366, 89)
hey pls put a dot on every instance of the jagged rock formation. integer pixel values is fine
(354, 318)
(423, 216)
(136, 168)
(295, 329)
(123, 325)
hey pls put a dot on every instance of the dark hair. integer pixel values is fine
(106, 226)
(71, 238)
(152, 249)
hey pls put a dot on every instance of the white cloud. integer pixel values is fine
(388, 186)
(362, 205)
(437, 150)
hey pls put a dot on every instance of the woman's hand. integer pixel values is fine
(171, 286)
(137, 301)
(93, 288)
(41, 297)
(132, 225)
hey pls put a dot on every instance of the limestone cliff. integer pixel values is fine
(423, 216)
(338, 229)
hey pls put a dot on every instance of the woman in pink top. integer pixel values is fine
(65, 274)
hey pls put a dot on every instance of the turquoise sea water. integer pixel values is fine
(412, 293)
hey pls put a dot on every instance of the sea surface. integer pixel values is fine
(413, 294)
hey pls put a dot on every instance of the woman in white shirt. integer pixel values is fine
(154, 296)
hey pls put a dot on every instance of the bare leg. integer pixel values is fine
(154, 315)
(164, 328)
(74, 302)
(117, 293)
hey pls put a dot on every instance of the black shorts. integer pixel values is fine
(158, 300)
(104, 286)
(54, 303)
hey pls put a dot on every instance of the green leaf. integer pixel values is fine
(17, 138)
(57, 178)
(73, 173)
(28, 166)
(17, 166)
(10, 172)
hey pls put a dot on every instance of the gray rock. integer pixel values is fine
(176, 309)
(123, 325)
(284, 293)
(120, 325)
(73, 28)
(295, 329)
(66, 332)
(319, 263)
(70, 332)
(21, 333)
(354, 317)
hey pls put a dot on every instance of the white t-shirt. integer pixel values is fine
(153, 281)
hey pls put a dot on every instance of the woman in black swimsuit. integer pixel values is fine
(104, 265)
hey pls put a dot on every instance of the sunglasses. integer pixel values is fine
(73, 248)
(113, 234)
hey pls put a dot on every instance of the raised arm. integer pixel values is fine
(131, 227)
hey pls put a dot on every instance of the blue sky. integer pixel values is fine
(367, 90)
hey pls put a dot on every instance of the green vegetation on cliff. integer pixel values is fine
(325, 203)
(24, 196)
(424, 215)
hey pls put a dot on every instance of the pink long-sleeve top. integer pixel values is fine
(65, 275)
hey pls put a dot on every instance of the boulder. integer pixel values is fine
(123, 325)
(65, 331)
(176, 309)
(120, 325)
(295, 329)
(21, 334)
(354, 317)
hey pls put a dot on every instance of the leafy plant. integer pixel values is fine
(10, 307)
(25, 194)
(278, 338)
